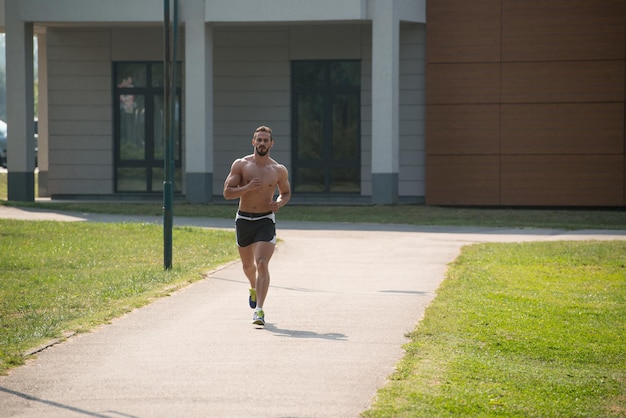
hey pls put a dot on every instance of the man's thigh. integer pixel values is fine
(263, 250)
(246, 254)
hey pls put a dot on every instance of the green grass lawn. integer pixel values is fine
(56, 276)
(3, 186)
(570, 219)
(519, 330)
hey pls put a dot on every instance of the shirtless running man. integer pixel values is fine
(253, 180)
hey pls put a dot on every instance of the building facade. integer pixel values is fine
(448, 102)
(242, 64)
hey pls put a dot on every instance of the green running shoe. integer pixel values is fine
(252, 298)
(258, 318)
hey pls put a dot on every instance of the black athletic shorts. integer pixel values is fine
(254, 227)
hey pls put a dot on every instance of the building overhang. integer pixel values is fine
(218, 11)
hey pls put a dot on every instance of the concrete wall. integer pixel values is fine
(80, 111)
(251, 88)
(412, 109)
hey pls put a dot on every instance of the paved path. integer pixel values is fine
(342, 298)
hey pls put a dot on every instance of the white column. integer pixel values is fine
(20, 104)
(42, 110)
(385, 101)
(198, 103)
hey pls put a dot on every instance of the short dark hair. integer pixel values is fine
(264, 128)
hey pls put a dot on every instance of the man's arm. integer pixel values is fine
(232, 190)
(232, 185)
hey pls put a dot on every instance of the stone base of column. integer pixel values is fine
(199, 187)
(42, 182)
(21, 186)
(385, 188)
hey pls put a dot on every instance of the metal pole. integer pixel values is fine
(167, 183)
(169, 160)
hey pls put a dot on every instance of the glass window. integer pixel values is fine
(157, 75)
(139, 128)
(158, 115)
(309, 74)
(131, 75)
(345, 122)
(131, 121)
(310, 126)
(345, 74)
(326, 129)
(310, 180)
(131, 179)
(158, 175)
(344, 180)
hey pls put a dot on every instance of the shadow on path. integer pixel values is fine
(110, 414)
(304, 334)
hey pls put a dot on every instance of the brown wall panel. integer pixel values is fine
(566, 30)
(542, 124)
(465, 41)
(579, 128)
(462, 83)
(577, 180)
(575, 82)
(463, 129)
(462, 180)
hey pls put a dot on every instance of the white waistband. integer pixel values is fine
(271, 216)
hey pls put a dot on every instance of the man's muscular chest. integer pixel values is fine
(267, 174)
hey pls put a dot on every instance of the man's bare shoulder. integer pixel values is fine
(239, 162)
(278, 166)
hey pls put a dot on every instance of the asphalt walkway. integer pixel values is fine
(341, 300)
